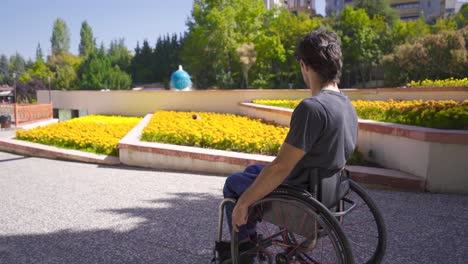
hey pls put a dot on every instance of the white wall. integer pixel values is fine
(139, 103)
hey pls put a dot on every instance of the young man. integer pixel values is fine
(323, 130)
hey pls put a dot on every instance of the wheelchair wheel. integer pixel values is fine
(291, 227)
(364, 226)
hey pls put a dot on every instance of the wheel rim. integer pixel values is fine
(287, 232)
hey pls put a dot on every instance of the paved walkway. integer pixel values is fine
(65, 212)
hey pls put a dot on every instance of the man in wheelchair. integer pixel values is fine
(322, 136)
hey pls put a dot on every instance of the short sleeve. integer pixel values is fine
(307, 124)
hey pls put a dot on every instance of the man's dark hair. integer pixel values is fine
(321, 51)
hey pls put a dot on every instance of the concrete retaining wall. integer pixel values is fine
(438, 156)
(140, 103)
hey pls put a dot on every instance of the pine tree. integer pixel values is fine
(4, 69)
(39, 54)
(87, 42)
(60, 39)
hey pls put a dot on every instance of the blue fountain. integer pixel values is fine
(180, 80)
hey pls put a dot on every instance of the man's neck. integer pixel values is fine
(327, 87)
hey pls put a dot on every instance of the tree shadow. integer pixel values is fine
(179, 229)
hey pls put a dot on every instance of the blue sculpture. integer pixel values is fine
(180, 79)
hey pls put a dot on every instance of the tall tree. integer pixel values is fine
(462, 16)
(39, 54)
(4, 69)
(87, 41)
(17, 64)
(360, 43)
(60, 39)
(378, 8)
(142, 64)
(97, 73)
(216, 30)
(119, 54)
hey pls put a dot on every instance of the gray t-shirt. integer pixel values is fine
(325, 127)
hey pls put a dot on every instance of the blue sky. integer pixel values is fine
(25, 23)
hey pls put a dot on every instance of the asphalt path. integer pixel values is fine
(54, 211)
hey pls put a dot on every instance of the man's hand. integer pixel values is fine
(239, 216)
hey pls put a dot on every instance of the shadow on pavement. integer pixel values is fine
(181, 229)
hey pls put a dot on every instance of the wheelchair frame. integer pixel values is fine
(338, 216)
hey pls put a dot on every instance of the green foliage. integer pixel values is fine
(141, 64)
(378, 8)
(217, 29)
(87, 41)
(156, 65)
(97, 73)
(60, 39)
(360, 36)
(66, 79)
(17, 64)
(40, 69)
(119, 54)
(4, 70)
(39, 54)
(434, 114)
(462, 16)
(423, 58)
(451, 82)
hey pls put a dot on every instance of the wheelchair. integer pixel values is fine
(305, 224)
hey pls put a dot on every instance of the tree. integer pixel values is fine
(166, 57)
(423, 59)
(26, 91)
(216, 30)
(276, 66)
(65, 66)
(119, 54)
(60, 39)
(378, 8)
(360, 44)
(17, 64)
(40, 70)
(247, 56)
(39, 54)
(97, 73)
(462, 16)
(4, 69)
(142, 64)
(87, 41)
(67, 78)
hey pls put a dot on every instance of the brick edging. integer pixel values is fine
(51, 152)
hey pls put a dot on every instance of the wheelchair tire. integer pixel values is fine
(292, 227)
(365, 227)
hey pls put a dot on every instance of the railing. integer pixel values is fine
(27, 113)
(31, 113)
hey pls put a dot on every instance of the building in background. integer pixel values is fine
(407, 9)
(295, 6)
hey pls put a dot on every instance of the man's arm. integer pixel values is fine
(269, 179)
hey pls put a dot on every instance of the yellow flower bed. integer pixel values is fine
(216, 131)
(435, 114)
(451, 82)
(97, 134)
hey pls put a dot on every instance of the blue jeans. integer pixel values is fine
(234, 186)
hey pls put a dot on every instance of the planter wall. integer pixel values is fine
(140, 103)
(438, 156)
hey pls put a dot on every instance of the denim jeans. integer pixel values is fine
(234, 186)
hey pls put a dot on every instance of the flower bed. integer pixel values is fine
(216, 131)
(451, 82)
(96, 134)
(433, 114)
